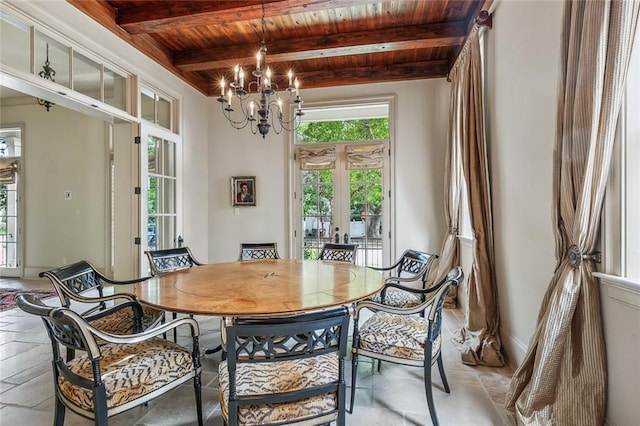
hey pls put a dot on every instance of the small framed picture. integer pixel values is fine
(243, 191)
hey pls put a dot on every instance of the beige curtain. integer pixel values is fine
(478, 340)
(563, 379)
(449, 255)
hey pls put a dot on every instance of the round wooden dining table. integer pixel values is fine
(260, 287)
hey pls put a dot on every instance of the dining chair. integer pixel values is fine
(113, 373)
(400, 336)
(162, 261)
(335, 252)
(413, 267)
(257, 251)
(285, 370)
(81, 287)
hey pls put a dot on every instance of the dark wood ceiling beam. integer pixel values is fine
(363, 75)
(356, 43)
(159, 16)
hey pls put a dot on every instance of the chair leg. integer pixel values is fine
(175, 331)
(197, 385)
(354, 375)
(58, 419)
(342, 417)
(442, 375)
(429, 392)
(100, 406)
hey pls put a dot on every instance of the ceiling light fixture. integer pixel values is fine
(263, 109)
(47, 73)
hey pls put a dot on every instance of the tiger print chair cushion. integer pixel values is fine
(282, 376)
(400, 336)
(121, 322)
(398, 298)
(129, 371)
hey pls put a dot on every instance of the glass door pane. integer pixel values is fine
(365, 222)
(317, 210)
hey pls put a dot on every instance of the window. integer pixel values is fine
(14, 43)
(621, 224)
(157, 108)
(28, 48)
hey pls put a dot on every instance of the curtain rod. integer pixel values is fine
(484, 19)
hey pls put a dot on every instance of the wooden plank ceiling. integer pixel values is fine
(325, 42)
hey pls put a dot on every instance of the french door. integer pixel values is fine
(160, 190)
(341, 201)
(10, 202)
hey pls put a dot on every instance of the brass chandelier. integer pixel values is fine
(258, 104)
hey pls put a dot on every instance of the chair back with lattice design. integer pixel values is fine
(335, 252)
(169, 260)
(77, 278)
(258, 251)
(416, 263)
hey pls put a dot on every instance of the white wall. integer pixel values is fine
(420, 140)
(62, 150)
(523, 57)
(621, 314)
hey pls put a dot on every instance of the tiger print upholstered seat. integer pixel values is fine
(404, 336)
(285, 370)
(398, 336)
(130, 371)
(272, 378)
(121, 373)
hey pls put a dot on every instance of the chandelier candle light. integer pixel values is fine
(262, 110)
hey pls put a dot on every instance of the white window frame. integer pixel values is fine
(620, 226)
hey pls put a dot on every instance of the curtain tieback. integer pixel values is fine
(575, 256)
(453, 231)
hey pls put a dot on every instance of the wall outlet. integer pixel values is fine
(67, 195)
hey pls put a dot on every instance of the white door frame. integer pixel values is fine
(296, 234)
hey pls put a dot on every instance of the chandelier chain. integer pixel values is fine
(47, 73)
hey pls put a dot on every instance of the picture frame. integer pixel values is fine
(243, 191)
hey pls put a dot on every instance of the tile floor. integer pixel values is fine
(393, 397)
